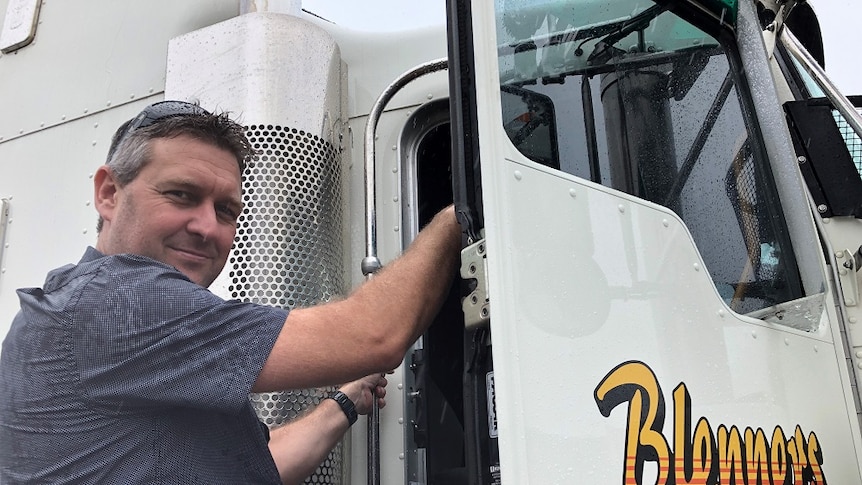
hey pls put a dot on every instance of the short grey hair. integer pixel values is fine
(131, 151)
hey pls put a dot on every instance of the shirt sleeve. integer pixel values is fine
(148, 337)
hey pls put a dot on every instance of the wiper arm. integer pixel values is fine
(605, 50)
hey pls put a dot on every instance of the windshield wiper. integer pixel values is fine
(605, 50)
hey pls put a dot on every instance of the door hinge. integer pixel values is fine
(4, 219)
(848, 265)
(474, 267)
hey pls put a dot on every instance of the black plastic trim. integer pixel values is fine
(466, 175)
(827, 167)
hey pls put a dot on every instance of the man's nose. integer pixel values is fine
(204, 221)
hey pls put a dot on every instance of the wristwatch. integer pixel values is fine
(346, 405)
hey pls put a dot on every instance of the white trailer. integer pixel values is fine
(660, 202)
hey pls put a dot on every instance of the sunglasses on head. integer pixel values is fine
(154, 113)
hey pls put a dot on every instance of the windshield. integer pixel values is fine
(628, 94)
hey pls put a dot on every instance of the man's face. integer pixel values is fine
(181, 209)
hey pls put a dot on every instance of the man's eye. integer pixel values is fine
(178, 194)
(228, 212)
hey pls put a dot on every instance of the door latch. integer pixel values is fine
(474, 268)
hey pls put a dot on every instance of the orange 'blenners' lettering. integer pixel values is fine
(709, 456)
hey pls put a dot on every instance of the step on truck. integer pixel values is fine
(660, 204)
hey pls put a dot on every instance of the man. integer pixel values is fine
(125, 369)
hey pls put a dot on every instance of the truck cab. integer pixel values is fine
(659, 203)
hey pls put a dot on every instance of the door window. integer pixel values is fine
(629, 95)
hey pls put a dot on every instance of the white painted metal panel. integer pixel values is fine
(46, 177)
(375, 59)
(606, 280)
(609, 297)
(92, 65)
(90, 55)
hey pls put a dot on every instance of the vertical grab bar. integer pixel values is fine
(371, 263)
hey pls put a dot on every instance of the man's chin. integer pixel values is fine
(201, 272)
(197, 275)
(203, 280)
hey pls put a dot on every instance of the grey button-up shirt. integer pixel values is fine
(122, 370)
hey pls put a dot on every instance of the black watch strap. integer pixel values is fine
(346, 405)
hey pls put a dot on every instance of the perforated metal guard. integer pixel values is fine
(288, 248)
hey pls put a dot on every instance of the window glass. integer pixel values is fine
(813, 89)
(629, 95)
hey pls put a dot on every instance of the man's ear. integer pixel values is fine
(105, 190)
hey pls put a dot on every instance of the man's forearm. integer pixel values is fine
(408, 293)
(300, 446)
(370, 330)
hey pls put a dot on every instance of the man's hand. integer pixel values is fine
(363, 391)
(299, 446)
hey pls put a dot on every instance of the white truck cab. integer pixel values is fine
(660, 202)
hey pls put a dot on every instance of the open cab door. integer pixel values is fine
(648, 297)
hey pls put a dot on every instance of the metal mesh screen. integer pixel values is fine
(854, 144)
(741, 187)
(288, 248)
